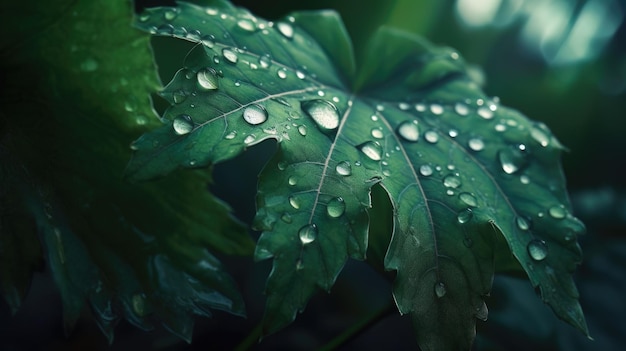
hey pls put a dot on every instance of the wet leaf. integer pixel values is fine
(475, 187)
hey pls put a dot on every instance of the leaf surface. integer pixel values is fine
(80, 86)
(475, 186)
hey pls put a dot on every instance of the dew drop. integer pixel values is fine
(485, 112)
(461, 109)
(207, 79)
(286, 217)
(557, 212)
(336, 207)
(179, 96)
(324, 113)
(500, 127)
(144, 17)
(476, 144)
(539, 135)
(208, 41)
(292, 180)
(377, 133)
(165, 29)
(344, 168)
(255, 114)
(440, 289)
(182, 124)
(302, 130)
(246, 25)
(308, 234)
(265, 61)
(170, 15)
(453, 133)
(431, 136)
(282, 73)
(249, 139)
(404, 106)
(537, 249)
(522, 223)
(420, 107)
(426, 170)
(372, 149)
(230, 55)
(408, 131)
(512, 159)
(231, 135)
(300, 75)
(524, 179)
(293, 201)
(451, 181)
(465, 215)
(436, 109)
(468, 199)
(285, 29)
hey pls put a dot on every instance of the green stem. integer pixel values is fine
(251, 339)
(354, 331)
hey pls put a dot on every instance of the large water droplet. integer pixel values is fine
(440, 289)
(294, 202)
(324, 113)
(182, 124)
(230, 55)
(344, 168)
(476, 144)
(431, 136)
(468, 199)
(426, 170)
(308, 234)
(285, 29)
(255, 114)
(512, 159)
(336, 207)
(207, 79)
(372, 149)
(537, 250)
(408, 131)
(557, 212)
(451, 181)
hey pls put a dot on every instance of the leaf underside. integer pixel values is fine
(79, 79)
(476, 187)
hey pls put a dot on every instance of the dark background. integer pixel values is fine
(573, 79)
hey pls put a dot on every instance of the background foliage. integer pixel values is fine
(581, 101)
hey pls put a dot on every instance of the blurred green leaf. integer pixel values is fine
(466, 176)
(134, 251)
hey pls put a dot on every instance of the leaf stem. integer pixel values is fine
(251, 339)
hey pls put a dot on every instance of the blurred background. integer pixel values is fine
(562, 62)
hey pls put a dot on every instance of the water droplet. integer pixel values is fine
(476, 144)
(282, 165)
(265, 61)
(324, 113)
(308, 234)
(420, 107)
(465, 215)
(451, 181)
(292, 180)
(485, 112)
(294, 202)
(540, 135)
(255, 114)
(321, 93)
(380, 108)
(343, 168)
(377, 133)
(246, 25)
(482, 312)
(436, 109)
(208, 41)
(557, 212)
(144, 17)
(404, 106)
(336, 207)
(282, 73)
(300, 75)
(286, 217)
(408, 131)
(524, 179)
(231, 135)
(171, 14)
(461, 109)
(207, 79)
(453, 133)
(537, 249)
(302, 130)
(165, 29)
(440, 289)
(500, 127)
(230, 55)
(522, 223)
(426, 170)
(285, 29)
(512, 159)
(182, 124)
(468, 199)
(249, 139)
(372, 149)
(431, 136)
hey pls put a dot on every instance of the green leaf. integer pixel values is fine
(78, 93)
(475, 186)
